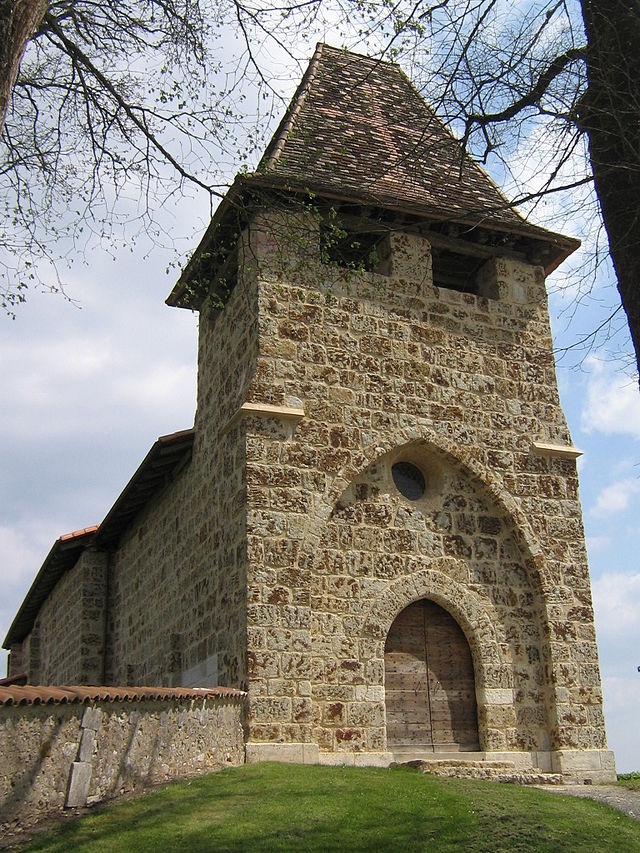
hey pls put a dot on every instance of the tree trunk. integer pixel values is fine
(19, 20)
(611, 117)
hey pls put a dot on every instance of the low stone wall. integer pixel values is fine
(65, 754)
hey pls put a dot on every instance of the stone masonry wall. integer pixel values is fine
(57, 628)
(388, 366)
(24, 657)
(17, 659)
(52, 757)
(175, 586)
(70, 628)
(178, 577)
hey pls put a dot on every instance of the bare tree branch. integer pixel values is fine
(531, 98)
(131, 112)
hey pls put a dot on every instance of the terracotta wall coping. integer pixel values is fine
(38, 694)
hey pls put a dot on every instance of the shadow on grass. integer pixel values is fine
(286, 807)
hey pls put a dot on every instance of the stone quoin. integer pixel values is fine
(374, 526)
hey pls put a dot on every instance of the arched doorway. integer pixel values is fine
(429, 682)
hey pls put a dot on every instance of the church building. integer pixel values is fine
(373, 526)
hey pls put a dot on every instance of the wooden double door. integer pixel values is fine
(429, 682)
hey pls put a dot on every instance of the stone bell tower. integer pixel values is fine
(377, 379)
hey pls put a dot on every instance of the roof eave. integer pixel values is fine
(184, 296)
(565, 245)
(167, 454)
(52, 569)
(176, 448)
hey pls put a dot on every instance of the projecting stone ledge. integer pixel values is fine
(562, 451)
(265, 410)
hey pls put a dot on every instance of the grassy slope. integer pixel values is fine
(286, 807)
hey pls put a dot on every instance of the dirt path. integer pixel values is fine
(614, 795)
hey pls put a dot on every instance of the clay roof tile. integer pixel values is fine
(358, 132)
(83, 694)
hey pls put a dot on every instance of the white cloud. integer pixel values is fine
(621, 703)
(598, 544)
(85, 394)
(616, 601)
(613, 401)
(23, 551)
(159, 383)
(20, 556)
(616, 496)
(95, 371)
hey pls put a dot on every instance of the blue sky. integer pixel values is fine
(89, 384)
(602, 404)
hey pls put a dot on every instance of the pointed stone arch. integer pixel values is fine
(430, 691)
(450, 451)
(475, 615)
(492, 662)
(507, 718)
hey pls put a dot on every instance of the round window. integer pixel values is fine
(409, 480)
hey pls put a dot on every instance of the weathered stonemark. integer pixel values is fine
(378, 428)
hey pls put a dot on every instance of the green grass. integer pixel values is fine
(629, 780)
(270, 807)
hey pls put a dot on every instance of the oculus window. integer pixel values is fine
(409, 480)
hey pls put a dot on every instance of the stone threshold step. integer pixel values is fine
(449, 757)
(494, 771)
(418, 761)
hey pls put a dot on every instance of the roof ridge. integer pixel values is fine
(375, 60)
(77, 534)
(279, 139)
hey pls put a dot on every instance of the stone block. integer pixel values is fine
(301, 710)
(285, 753)
(582, 765)
(494, 696)
(350, 739)
(366, 714)
(78, 784)
(368, 693)
(337, 759)
(266, 710)
(87, 743)
(372, 759)
(91, 718)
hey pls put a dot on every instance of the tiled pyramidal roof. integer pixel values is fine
(358, 127)
(358, 132)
